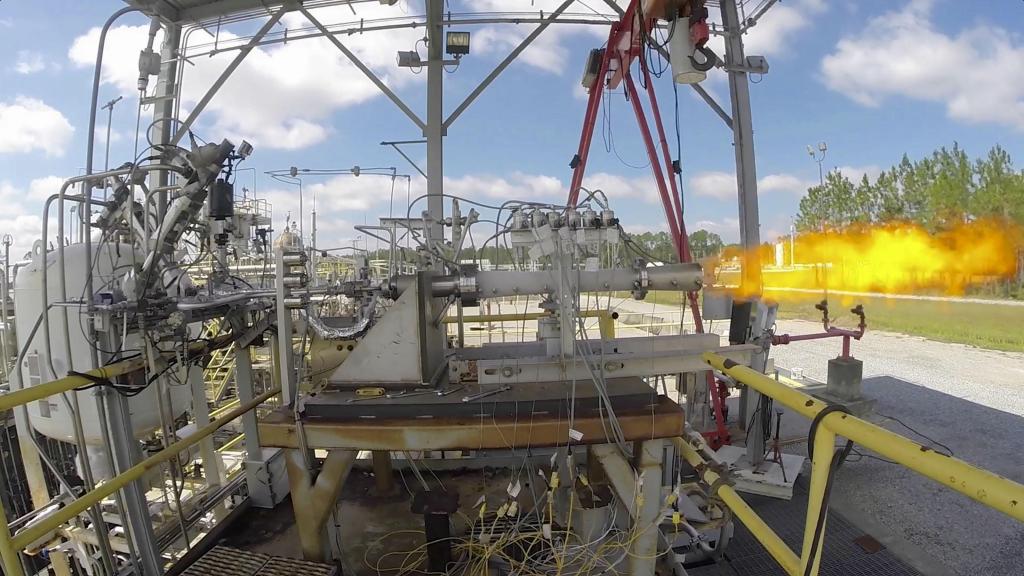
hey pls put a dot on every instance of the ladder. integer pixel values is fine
(220, 370)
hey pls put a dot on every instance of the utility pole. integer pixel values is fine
(743, 144)
(819, 157)
(792, 245)
(435, 119)
(109, 107)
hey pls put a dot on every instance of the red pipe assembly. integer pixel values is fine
(830, 331)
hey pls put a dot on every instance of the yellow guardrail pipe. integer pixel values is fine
(69, 383)
(742, 511)
(9, 546)
(990, 489)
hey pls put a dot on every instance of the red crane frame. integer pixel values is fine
(623, 47)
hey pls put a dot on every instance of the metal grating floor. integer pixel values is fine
(842, 555)
(225, 561)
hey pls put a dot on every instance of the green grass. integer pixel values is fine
(992, 326)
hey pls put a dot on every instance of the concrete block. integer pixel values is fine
(844, 378)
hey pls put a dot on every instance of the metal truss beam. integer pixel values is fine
(211, 49)
(201, 105)
(396, 145)
(713, 104)
(505, 63)
(364, 69)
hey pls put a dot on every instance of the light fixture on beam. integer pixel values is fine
(457, 43)
(593, 68)
(409, 59)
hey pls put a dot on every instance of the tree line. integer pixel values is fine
(941, 190)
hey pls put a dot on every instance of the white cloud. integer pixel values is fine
(29, 62)
(548, 52)
(976, 73)
(784, 183)
(779, 27)
(23, 227)
(540, 187)
(516, 185)
(727, 228)
(619, 188)
(775, 32)
(28, 124)
(722, 185)
(101, 135)
(856, 173)
(43, 188)
(282, 95)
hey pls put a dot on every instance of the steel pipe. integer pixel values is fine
(687, 277)
(75, 508)
(741, 510)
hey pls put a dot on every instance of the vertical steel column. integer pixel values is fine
(165, 97)
(743, 143)
(383, 472)
(313, 500)
(643, 553)
(213, 467)
(285, 365)
(246, 392)
(435, 118)
(126, 453)
(257, 476)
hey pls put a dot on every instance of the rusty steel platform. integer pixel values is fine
(659, 418)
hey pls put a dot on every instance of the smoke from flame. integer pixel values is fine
(901, 258)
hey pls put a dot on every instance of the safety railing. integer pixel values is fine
(828, 423)
(12, 544)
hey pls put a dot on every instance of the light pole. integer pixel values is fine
(819, 157)
(109, 107)
(792, 245)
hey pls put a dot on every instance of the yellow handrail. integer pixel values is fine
(768, 537)
(69, 383)
(9, 546)
(990, 489)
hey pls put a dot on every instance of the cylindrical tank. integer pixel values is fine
(681, 49)
(290, 238)
(50, 416)
(222, 200)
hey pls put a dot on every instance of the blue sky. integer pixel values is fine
(875, 79)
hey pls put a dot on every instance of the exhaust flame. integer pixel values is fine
(901, 258)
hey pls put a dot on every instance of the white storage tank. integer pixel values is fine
(50, 416)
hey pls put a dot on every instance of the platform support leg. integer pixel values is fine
(382, 473)
(314, 499)
(643, 501)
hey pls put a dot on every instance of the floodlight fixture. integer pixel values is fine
(457, 43)
(409, 59)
